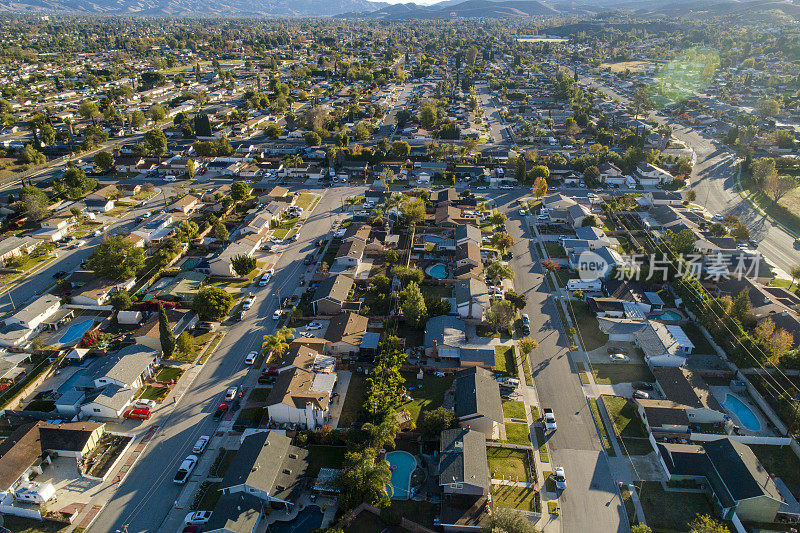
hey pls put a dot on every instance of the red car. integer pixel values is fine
(270, 371)
(138, 414)
(221, 410)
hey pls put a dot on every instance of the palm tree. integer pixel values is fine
(278, 342)
(363, 479)
(351, 202)
(383, 434)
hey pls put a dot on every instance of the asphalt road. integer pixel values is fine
(714, 180)
(492, 114)
(591, 501)
(145, 498)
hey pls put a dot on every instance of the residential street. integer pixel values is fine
(591, 501)
(144, 499)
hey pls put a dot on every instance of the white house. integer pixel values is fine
(650, 175)
(36, 312)
(302, 395)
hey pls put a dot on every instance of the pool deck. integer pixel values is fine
(327, 505)
(721, 392)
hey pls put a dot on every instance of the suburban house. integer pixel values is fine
(37, 312)
(266, 471)
(471, 298)
(149, 333)
(741, 487)
(93, 291)
(345, 333)
(468, 254)
(183, 287)
(688, 388)
(15, 246)
(129, 367)
(478, 405)
(650, 175)
(463, 467)
(302, 393)
(185, 205)
(610, 174)
(221, 265)
(102, 200)
(349, 255)
(446, 338)
(467, 233)
(331, 294)
(155, 228)
(663, 345)
(27, 452)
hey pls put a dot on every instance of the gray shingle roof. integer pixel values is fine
(478, 394)
(335, 288)
(463, 458)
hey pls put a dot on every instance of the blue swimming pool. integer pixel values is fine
(745, 415)
(438, 271)
(436, 239)
(306, 520)
(667, 315)
(76, 331)
(402, 465)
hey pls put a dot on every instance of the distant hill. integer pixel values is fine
(468, 8)
(225, 8)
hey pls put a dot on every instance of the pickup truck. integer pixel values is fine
(549, 420)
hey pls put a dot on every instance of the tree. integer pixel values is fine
(769, 107)
(505, 520)
(165, 333)
(138, 119)
(88, 110)
(157, 112)
(186, 343)
(500, 315)
(681, 242)
(190, 169)
(502, 240)
(432, 423)
(116, 258)
(641, 528)
(313, 138)
(240, 190)
(783, 185)
(401, 148)
(408, 274)
(220, 231)
(243, 264)
(212, 303)
(498, 219)
(707, 524)
(120, 300)
(740, 232)
(496, 271)
(427, 117)
(35, 202)
(414, 310)
(517, 300)
(539, 188)
(155, 142)
(31, 155)
(413, 210)
(691, 195)
(273, 130)
(527, 345)
(763, 170)
(277, 343)
(795, 273)
(103, 160)
(363, 479)
(641, 101)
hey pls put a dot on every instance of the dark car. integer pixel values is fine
(642, 385)
(265, 380)
(61, 274)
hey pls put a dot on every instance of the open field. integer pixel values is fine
(622, 66)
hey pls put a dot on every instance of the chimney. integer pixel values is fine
(435, 349)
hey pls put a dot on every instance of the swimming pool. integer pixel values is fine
(76, 331)
(402, 465)
(745, 415)
(667, 315)
(306, 520)
(438, 271)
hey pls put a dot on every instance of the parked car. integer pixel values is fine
(207, 326)
(526, 319)
(642, 385)
(144, 404)
(60, 274)
(221, 410)
(249, 301)
(264, 379)
(618, 357)
(197, 518)
(137, 414)
(277, 314)
(185, 470)
(313, 325)
(559, 478)
(230, 394)
(201, 444)
(250, 358)
(641, 395)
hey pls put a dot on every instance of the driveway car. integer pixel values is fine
(144, 404)
(618, 357)
(642, 385)
(313, 325)
(277, 314)
(137, 414)
(197, 518)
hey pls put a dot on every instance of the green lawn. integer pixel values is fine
(324, 457)
(507, 463)
(518, 433)
(554, 249)
(156, 394)
(590, 335)
(634, 446)
(211, 348)
(780, 461)
(514, 498)
(84, 228)
(259, 395)
(169, 373)
(250, 417)
(28, 525)
(427, 398)
(282, 231)
(701, 344)
(671, 511)
(353, 400)
(304, 200)
(614, 373)
(622, 412)
(544, 455)
(514, 409)
(604, 438)
(442, 291)
(504, 361)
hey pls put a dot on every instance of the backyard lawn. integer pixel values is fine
(624, 416)
(259, 394)
(614, 373)
(507, 463)
(514, 498)
(504, 361)
(518, 433)
(590, 335)
(514, 409)
(18, 524)
(324, 457)
(780, 461)
(353, 400)
(671, 511)
(427, 394)
(701, 344)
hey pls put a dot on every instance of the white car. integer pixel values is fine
(618, 357)
(307, 334)
(717, 218)
(230, 394)
(182, 475)
(277, 314)
(506, 187)
(339, 232)
(201, 444)
(313, 325)
(523, 213)
(526, 319)
(251, 358)
(170, 178)
(144, 404)
(248, 302)
(197, 518)
(559, 478)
